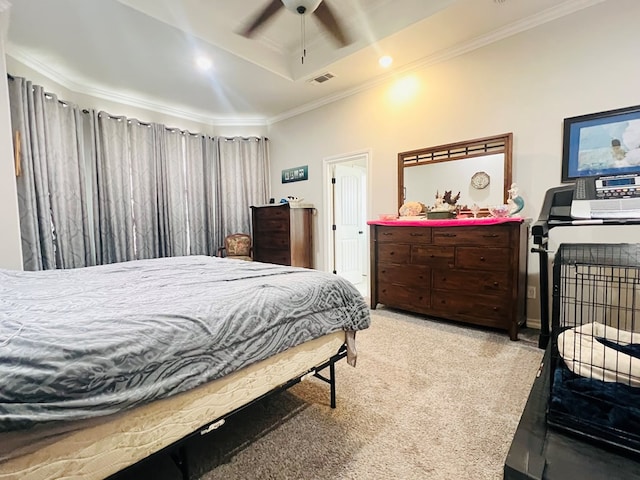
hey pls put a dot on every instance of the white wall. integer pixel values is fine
(526, 84)
(10, 250)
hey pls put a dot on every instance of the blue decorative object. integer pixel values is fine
(515, 201)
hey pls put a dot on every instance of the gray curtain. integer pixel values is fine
(174, 220)
(243, 164)
(145, 176)
(187, 193)
(52, 182)
(200, 186)
(96, 188)
(114, 214)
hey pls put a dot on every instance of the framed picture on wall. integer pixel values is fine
(296, 174)
(601, 144)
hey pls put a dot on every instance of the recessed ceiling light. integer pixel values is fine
(385, 61)
(203, 63)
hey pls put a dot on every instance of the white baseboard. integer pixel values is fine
(534, 323)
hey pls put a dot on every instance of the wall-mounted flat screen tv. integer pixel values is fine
(601, 144)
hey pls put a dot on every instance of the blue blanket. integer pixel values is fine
(608, 407)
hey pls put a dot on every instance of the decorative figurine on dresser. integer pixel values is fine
(282, 234)
(471, 269)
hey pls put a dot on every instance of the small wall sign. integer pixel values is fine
(295, 174)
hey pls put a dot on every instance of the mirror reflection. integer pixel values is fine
(479, 169)
(468, 176)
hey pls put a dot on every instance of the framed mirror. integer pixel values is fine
(479, 169)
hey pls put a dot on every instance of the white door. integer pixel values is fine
(349, 230)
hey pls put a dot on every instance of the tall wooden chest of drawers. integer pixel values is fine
(473, 274)
(282, 234)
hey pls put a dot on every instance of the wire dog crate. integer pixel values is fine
(595, 334)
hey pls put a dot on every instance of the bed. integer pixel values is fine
(103, 366)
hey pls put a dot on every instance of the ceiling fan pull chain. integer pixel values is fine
(303, 35)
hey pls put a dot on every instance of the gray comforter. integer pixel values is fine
(92, 341)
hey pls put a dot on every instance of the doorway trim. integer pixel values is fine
(328, 201)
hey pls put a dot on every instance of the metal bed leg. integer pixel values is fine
(332, 375)
(332, 384)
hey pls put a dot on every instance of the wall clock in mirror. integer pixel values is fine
(480, 180)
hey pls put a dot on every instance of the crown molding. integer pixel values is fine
(133, 101)
(514, 28)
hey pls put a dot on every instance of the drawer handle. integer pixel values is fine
(412, 234)
(482, 259)
(448, 235)
(492, 235)
(495, 284)
(387, 233)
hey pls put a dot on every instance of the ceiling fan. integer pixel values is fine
(319, 8)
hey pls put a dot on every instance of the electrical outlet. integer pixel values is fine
(531, 292)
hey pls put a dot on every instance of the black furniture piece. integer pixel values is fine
(539, 451)
(556, 212)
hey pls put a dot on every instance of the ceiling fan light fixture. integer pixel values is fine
(302, 7)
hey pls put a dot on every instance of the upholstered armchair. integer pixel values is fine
(238, 246)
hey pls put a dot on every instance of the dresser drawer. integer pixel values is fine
(276, 212)
(269, 255)
(414, 299)
(483, 258)
(491, 283)
(495, 236)
(432, 255)
(392, 253)
(479, 309)
(404, 234)
(417, 276)
(273, 240)
(271, 226)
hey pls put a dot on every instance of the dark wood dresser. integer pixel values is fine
(282, 234)
(474, 274)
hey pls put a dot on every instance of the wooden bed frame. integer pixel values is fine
(122, 440)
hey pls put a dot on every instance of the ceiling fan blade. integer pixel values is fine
(328, 19)
(262, 17)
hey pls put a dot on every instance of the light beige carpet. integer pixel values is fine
(427, 400)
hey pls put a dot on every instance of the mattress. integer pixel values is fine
(120, 440)
(88, 342)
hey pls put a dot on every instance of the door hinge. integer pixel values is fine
(333, 227)
(333, 180)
